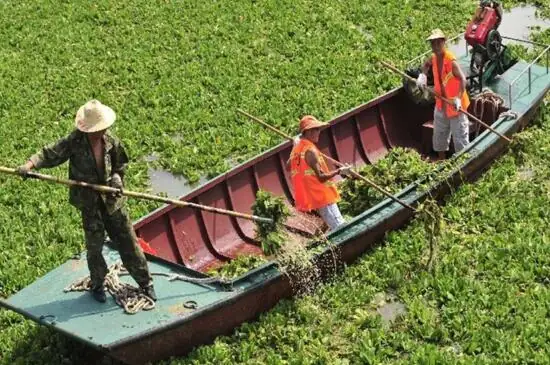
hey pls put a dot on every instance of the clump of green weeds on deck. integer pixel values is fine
(272, 235)
(238, 266)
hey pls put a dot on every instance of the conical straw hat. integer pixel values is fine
(94, 117)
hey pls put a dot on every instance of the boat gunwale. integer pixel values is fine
(165, 208)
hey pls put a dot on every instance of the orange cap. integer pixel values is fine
(310, 122)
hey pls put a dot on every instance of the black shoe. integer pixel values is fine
(150, 292)
(99, 294)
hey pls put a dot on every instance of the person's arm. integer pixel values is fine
(457, 72)
(422, 80)
(119, 159)
(51, 155)
(426, 66)
(313, 162)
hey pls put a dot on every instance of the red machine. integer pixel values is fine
(487, 18)
(489, 56)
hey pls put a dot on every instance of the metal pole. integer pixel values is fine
(547, 61)
(133, 194)
(529, 80)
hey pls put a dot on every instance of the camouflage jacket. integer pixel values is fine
(82, 167)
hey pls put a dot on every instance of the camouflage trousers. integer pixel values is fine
(95, 221)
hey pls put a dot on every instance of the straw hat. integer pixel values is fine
(310, 122)
(436, 34)
(94, 117)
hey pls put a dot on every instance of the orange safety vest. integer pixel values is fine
(309, 192)
(451, 85)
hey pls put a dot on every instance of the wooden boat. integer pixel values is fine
(189, 242)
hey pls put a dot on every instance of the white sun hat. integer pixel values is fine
(94, 117)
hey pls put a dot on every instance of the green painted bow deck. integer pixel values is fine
(175, 326)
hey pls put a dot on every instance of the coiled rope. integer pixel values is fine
(130, 298)
(486, 101)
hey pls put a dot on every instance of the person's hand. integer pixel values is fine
(458, 103)
(422, 81)
(116, 182)
(295, 140)
(23, 171)
(345, 170)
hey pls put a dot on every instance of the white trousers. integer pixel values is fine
(444, 127)
(331, 215)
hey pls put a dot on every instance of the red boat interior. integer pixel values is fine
(202, 240)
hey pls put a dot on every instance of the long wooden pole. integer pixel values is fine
(437, 95)
(337, 163)
(111, 190)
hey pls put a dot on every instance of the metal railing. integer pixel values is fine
(545, 52)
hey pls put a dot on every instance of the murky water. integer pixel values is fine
(526, 173)
(389, 307)
(173, 185)
(516, 23)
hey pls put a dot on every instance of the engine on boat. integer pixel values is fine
(489, 56)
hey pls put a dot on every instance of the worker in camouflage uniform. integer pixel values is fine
(97, 157)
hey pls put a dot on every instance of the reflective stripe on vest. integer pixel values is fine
(309, 192)
(451, 85)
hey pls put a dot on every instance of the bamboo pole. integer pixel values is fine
(111, 190)
(337, 163)
(465, 112)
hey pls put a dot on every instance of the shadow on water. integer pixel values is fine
(516, 23)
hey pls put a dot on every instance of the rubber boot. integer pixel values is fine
(99, 294)
(150, 292)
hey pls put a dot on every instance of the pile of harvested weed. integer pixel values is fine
(289, 249)
(398, 169)
(238, 266)
(272, 235)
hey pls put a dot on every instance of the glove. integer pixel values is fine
(458, 103)
(422, 81)
(116, 182)
(345, 170)
(23, 171)
(295, 140)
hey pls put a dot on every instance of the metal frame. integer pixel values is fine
(546, 52)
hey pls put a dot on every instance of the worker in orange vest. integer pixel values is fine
(450, 82)
(312, 180)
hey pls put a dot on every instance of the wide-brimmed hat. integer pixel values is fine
(94, 117)
(436, 34)
(310, 122)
